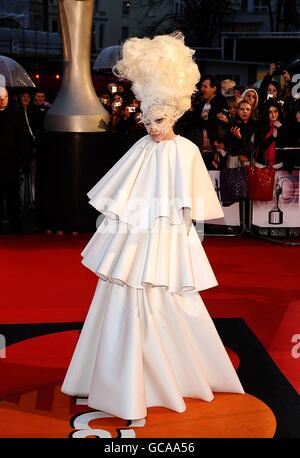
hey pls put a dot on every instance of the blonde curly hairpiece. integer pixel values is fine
(162, 71)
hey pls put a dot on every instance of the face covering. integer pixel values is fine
(158, 121)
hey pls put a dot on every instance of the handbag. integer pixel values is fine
(260, 182)
(233, 184)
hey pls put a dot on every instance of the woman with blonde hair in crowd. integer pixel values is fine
(252, 97)
(240, 135)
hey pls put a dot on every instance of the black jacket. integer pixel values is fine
(243, 146)
(191, 124)
(12, 151)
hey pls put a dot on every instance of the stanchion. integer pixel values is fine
(291, 163)
(214, 174)
(265, 237)
(243, 225)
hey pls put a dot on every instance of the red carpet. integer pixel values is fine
(43, 281)
(41, 362)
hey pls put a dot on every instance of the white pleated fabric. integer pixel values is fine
(163, 256)
(143, 348)
(157, 179)
(148, 339)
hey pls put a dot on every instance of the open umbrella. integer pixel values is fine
(293, 66)
(108, 57)
(13, 74)
(257, 84)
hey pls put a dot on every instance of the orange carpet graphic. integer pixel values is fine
(256, 309)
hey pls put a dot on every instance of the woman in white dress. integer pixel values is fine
(148, 339)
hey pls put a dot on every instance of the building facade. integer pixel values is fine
(30, 31)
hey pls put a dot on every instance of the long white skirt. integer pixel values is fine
(147, 347)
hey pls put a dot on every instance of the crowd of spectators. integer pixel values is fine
(230, 124)
(21, 119)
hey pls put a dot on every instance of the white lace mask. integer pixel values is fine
(158, 121)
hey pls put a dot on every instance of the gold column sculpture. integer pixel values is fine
(76, 107)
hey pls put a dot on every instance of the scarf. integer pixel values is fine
(269, 154)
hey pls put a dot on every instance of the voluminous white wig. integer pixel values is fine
(162, 71)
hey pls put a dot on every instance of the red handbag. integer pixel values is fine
(260, 182)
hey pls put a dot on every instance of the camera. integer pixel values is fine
(117, 104)
(279, 68)
(225, 112)
(114, 89)
(237, 123)
(131, 109)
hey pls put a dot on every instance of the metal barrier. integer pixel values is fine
(255, 216)
(234, 215)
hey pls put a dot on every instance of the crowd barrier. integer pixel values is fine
(277, 220)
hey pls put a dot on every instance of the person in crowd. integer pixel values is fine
(273, 90)
(12, 158)
(294, 127)
(41, 103)
(118, 100)
(293, 137)
(212, 103)
(105, 99)
(238, 91)
(270, 134)
(31, 112)
(233, 103)
(112, 88)
(270, 88)
(227, 87)
(240, 136)
(131, 127)
(202, 124)
(227, 118)
(33, 119)
(251, 96)
(117, 113)
(134, 102)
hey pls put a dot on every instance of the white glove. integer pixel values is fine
(187, 216)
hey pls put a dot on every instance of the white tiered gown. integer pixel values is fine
(148, 339)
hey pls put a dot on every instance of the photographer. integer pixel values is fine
(105, 99)
(117, 113)
(130, 127)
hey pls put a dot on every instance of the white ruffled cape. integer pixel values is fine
(143, 240)
(157, 179)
